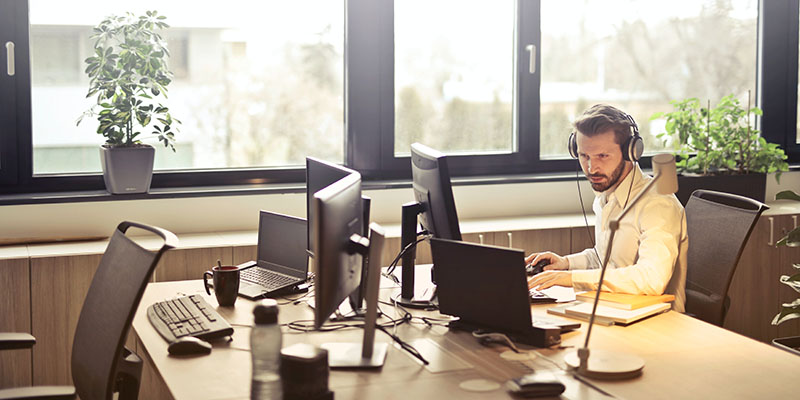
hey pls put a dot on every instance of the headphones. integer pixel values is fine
(632, 148)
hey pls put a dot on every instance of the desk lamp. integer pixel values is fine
(605, 364)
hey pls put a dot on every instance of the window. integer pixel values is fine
(639, 56)
(495, 84)
(243, 79)
(454, 83)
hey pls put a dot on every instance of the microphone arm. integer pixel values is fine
(583, 353)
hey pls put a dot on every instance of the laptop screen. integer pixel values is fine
(482, 285)
(282, 243)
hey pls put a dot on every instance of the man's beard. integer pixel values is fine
(610, 181)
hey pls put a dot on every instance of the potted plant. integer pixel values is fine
(128, 73)
(719, 150)
(789, 311)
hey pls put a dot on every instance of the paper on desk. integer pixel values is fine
(562, 294)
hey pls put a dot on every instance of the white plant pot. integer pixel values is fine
(127, 170)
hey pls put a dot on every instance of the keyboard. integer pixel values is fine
(268, 279)
(187, 316)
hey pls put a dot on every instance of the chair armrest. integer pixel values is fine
(39, 393)
(16, 341)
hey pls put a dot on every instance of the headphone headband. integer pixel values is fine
(632, 148)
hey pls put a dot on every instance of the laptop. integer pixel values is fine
(487, 288)
(282, 262)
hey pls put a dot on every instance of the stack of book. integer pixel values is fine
(617, 308)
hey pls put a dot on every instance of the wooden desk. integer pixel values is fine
(685, 358)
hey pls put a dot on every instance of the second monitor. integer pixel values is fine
(434, 210)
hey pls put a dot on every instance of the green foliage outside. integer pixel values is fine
(719, 140)
(791, 310)
(127, 72)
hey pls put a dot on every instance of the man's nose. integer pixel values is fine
(592, 167)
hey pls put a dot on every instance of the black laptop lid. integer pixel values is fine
(282, 244)
(482, 285)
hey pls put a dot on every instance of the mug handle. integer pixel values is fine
(206, 275)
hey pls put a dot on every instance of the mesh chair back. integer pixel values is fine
(109, 307)
(718, 225)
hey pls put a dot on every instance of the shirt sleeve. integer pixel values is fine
(661, 222)
(586, 259)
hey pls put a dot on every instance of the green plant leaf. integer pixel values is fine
(792, 239)
(787, 195)
(792, 281)
(789, 311)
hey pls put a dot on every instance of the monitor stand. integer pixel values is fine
(368, 353)
(408, 236)
(603, 364)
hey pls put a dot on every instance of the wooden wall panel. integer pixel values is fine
(181, 264)
(58, 288)
(15, 303)
(244, 253)
(555, 240)
(753, 290)
(581, 239)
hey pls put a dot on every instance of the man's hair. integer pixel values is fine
(601, 118)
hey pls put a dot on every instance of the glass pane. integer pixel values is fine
(453, 75)
(255, 83)
(639, 56)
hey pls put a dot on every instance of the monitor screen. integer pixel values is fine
(319, 174)
(337, 216)
(432, 189)
(280, 243)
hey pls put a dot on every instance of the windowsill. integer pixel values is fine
(244, 190)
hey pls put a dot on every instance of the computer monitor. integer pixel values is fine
(340, 245)
(434, 209)
(320, 174)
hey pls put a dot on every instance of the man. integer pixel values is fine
(648, 255)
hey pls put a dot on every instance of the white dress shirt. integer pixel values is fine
(648, 255)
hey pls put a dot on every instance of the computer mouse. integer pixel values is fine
(533, 269)
(189, 345)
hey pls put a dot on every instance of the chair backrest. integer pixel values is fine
(109, 307)
(718, 225)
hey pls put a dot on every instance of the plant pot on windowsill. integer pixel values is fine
(753, 185)
(789, 343)
(127, 169)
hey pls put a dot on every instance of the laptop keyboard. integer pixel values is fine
(266, 278)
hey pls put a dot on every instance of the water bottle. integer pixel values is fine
(265, 347)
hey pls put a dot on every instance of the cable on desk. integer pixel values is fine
(405, 346)
(422, 236)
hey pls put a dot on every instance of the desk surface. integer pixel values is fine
(685, 358)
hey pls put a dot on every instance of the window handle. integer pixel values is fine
(10, 57)
(771, 231)
(531, 48)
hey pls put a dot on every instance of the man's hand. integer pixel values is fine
(550, 278)
(556, 262)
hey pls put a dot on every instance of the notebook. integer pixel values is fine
(282, 261)
(625, 301)
(607, 315)
(486, 287)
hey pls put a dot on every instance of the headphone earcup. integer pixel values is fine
(572, 145)
(633, 148)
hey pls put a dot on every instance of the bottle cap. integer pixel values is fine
(266, 312)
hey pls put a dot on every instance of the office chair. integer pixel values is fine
(718, 225)
(101, 365)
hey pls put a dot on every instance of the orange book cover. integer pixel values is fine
(625, 301)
